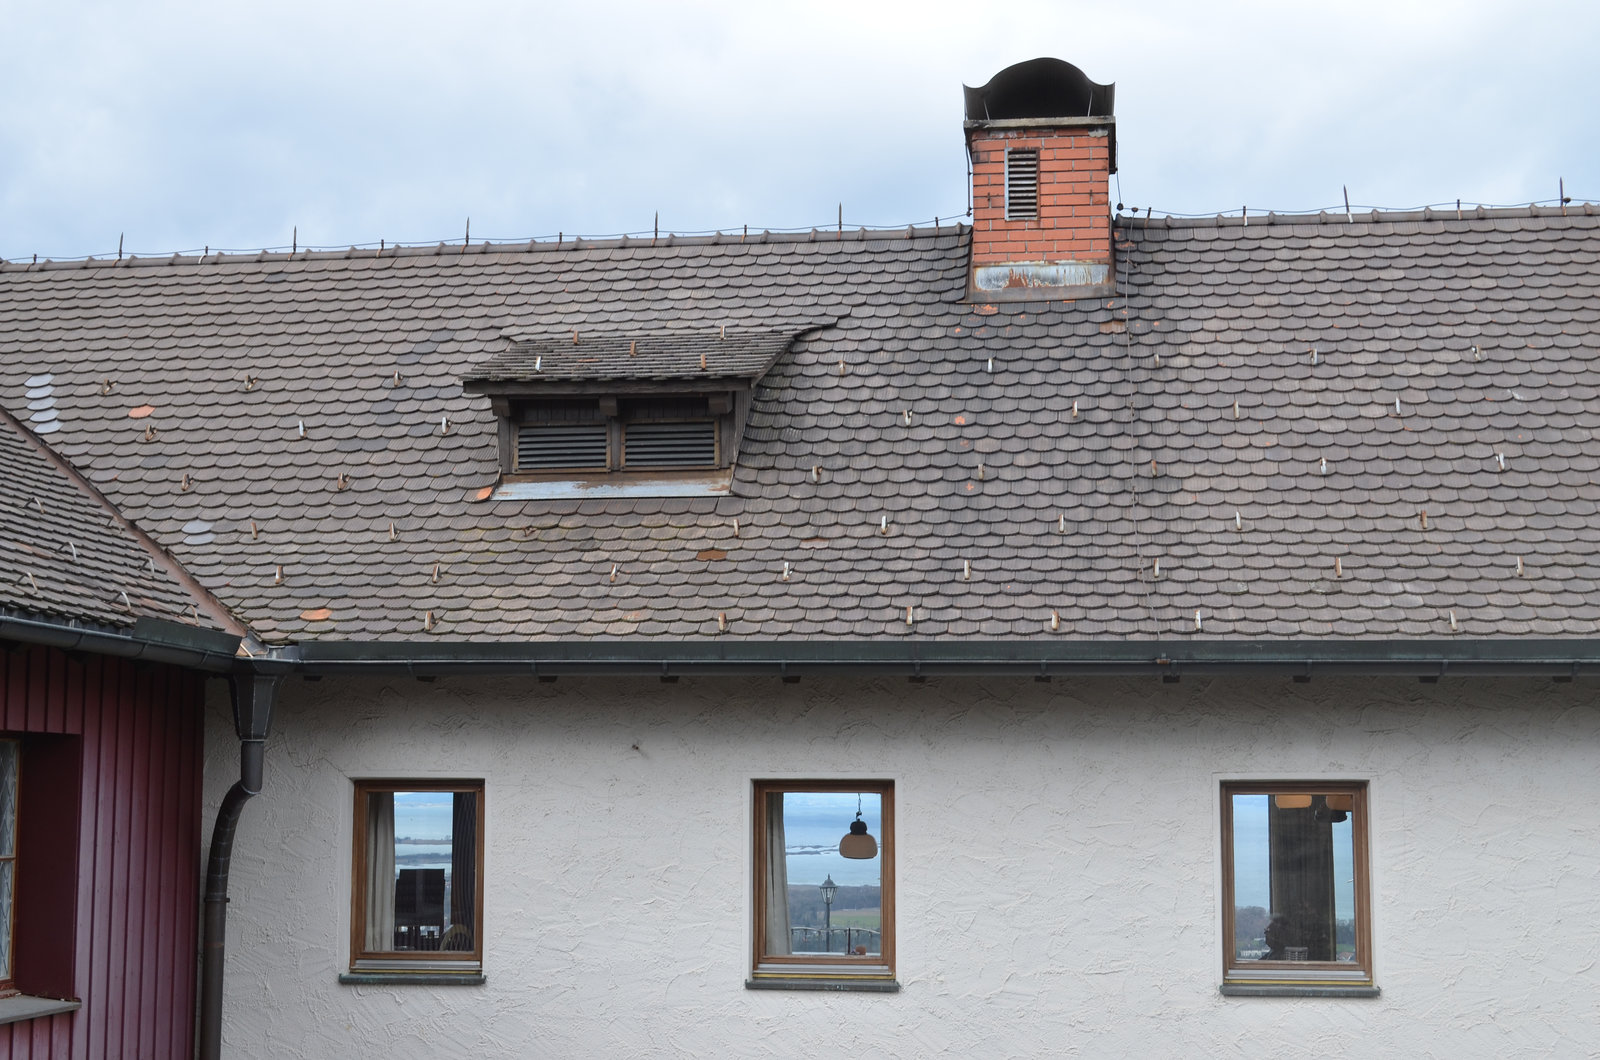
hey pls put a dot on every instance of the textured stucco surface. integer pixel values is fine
(1058, 865)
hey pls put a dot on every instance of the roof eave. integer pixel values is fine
(1422, 658)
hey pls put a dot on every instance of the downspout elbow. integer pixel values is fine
(252, 757)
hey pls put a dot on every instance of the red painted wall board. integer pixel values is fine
(136, 839)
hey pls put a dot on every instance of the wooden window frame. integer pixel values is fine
(8, 975)
(434, 961)
(617, 412)
(821, 968)
(1263, 972)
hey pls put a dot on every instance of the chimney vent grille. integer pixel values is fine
(1022, 184)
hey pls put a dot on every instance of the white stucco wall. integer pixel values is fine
(1058, 865)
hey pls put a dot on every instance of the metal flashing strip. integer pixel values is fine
(21, 1007)
(1424, 659)
(713, 484)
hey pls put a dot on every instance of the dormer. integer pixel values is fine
(599, 414)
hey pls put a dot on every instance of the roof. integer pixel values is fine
(1215, 453)
(65, 553)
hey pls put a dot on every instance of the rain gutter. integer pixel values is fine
(149, 640)
(1166, 658)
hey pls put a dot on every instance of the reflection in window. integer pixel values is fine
(1296, 877)
(816, 905)
(420, 857)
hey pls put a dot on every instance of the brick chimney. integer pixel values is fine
(1043, 142)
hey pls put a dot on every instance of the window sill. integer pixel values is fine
(1296, 990)
(21, 1007)
(866, 986)
(412, 979)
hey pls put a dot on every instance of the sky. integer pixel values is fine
(177, 126)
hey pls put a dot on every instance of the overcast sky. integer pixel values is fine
(186, 125)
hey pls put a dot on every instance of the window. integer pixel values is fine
(1022, 184)
(417, 883)
(1296, 902)
(39, 802)
(824, 884)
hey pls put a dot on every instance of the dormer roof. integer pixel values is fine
(611, 357)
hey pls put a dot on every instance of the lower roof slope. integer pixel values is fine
(1280, 430)
(65, 555)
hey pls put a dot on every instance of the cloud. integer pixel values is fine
(189, 124)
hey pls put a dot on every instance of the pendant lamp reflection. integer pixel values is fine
(859, 843)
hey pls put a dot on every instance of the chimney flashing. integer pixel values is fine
(1032, 281)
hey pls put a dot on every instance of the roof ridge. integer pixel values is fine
(1573, 212)
(562, 243)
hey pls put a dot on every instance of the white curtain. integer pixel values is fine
(777, 878)
(380, 871)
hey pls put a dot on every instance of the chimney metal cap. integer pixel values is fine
(1039, 88)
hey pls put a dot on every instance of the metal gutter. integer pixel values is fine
(150, 639)
(1167, 658)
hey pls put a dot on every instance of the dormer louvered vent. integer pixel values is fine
(561, 435)
(642, 434)
(668, 432)
(556, 447)
(1022, 184)
(648, 445)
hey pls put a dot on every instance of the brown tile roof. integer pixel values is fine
(1217, 452)
(64, 553)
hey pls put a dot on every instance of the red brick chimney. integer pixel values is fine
(1042, 140)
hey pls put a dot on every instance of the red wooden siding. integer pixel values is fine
(132, 912)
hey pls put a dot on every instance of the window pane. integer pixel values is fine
(8, 798)
(847, 918)
(422, 871)
(1294, 877)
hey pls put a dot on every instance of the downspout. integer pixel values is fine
(254, 693)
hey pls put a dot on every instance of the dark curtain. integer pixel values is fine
(464, 864)
(1301, 843)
